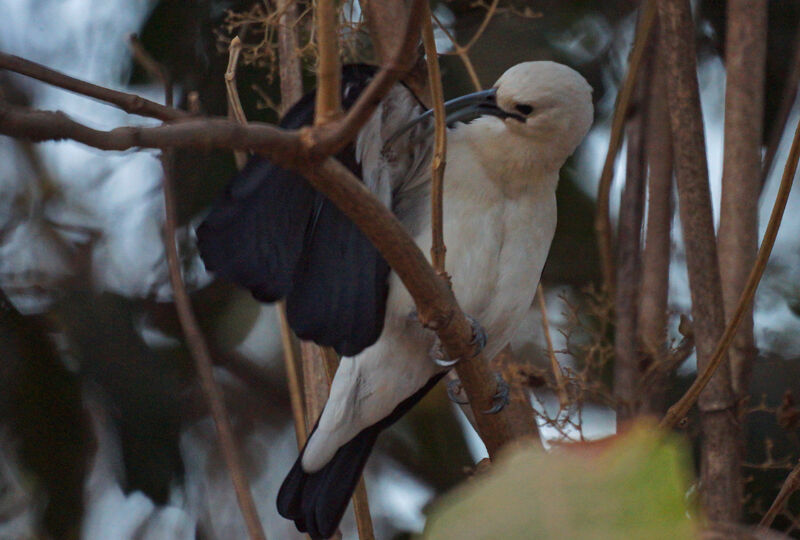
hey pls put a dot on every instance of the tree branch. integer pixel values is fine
(790, 485)
(681, 408)
(331, 138)
(627, 361)
(130, 103)
(438, 248)
(329, 67)
(720, 461)
(745, 62)
(602, 221)
(290, 70)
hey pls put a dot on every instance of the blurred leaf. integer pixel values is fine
(631, 486)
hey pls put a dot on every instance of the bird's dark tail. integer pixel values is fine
(316, 501)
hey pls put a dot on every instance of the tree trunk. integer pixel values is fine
(653, 295)
(720, 460)
(745, 57)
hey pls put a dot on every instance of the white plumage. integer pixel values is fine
(499, 220)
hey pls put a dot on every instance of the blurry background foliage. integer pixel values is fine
(94, 367)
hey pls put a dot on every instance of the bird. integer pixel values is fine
(273, 234)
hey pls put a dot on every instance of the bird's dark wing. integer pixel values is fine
(341, 284)
(273, 234)
(254, 235)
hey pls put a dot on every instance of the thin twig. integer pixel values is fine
(291, 92)
(627, 353)
(289, 61)
(790, 485)
(490, 12)
(652, 324)
(130, 103)
(461, 52)
(329, 69)
(561, 386)
(438, 248)
(681, 408)
(293, 374)
(234, 103)
(205, 371)
(602, 222)
(788, 97)
(287, 339)
(361, 511)
(194, 336)
(152, 66)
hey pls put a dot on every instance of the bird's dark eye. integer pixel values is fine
(524, 110)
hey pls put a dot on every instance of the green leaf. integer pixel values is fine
(629, 486)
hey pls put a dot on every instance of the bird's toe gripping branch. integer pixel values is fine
(501, 397)
(479, 339)
(499, 400)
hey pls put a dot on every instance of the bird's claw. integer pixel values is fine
(501, 397)
(478, 342)
(499, 400)
(440, 356)
(479, 336)
(453, 389)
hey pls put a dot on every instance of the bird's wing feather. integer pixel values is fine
(272, 233)
(255, 233)
(340, 285)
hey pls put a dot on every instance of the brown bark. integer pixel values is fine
(386, 34)
(682, 406)
(627, 365)
(290, 69)
(381, 18)
(652, 324)
(602, 221)
(205, 371)
(720, 460)
(129, 103)
(438, 248)
(745, 59)
(329, 66)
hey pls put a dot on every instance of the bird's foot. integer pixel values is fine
(454, 388)
(478, 342)
(501, 397)
(499, 400)
(479, 336)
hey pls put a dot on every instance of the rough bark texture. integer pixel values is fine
(720, 460)
(745, 58)
(629, 230)
(652, 324)
(290, 69)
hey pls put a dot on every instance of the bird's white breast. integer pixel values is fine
(498, 232)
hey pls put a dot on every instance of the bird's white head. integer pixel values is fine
(548, 102)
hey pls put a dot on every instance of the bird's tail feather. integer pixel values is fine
(316, 501)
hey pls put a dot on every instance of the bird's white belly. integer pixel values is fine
(495, 260)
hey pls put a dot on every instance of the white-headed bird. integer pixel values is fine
(275, 235)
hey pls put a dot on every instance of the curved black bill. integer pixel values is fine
(461, 109)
